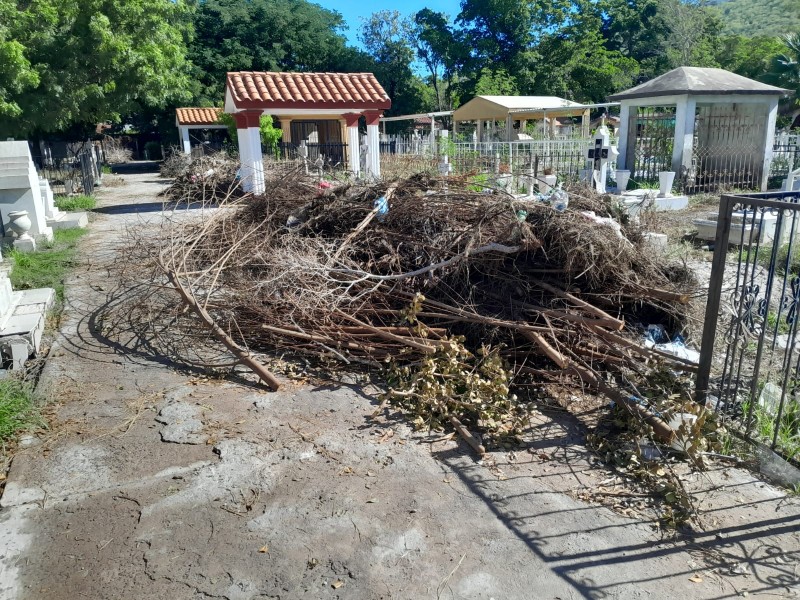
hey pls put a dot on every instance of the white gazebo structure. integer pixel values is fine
(337, 100)
(709, 126)
(196, 118)
(487, 111)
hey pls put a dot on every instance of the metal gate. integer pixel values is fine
(654, 138)
(750, 355)
(728, 148)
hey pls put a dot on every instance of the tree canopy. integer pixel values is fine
(267, 35)
(75, 63)
(66, 65)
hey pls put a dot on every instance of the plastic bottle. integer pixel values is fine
(559, 199)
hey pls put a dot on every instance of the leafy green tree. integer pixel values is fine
(752, 57)
(636, 29)
(693, 33)
(267, 35)
(387, 36)
(16, 73)
(575, 63)
(95, 60)
(443, 52)
(496, 83)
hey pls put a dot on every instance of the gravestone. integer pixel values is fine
(22, 321)
(600, 153)
(20, 190)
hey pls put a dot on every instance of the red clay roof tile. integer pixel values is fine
(198, 116)
(313, 90)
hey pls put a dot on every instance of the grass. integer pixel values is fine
(47, 267)
(73, 203)
(18, 409)
(788, 438)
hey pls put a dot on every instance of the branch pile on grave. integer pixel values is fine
(458, 297)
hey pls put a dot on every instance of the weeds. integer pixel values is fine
(73, 203)
(785, 431)
(47, 267)
(17, 408)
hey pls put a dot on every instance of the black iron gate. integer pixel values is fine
(653, 139)
(750, 356)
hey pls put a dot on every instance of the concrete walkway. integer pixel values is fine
(155, 483)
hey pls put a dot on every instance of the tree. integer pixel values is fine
(495, 83)
(693, 33)
(442, 51)
(267, 35)
(636, 29)
(752, 57)
(575, 63)
(92, 61)
(386, 37)
(16, 73)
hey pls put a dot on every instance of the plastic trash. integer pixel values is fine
(770, 397)
(682, 441)
(382, 206)
(656, 334)
(656, 337)
(559, 199)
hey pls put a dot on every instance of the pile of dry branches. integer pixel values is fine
(447, 274)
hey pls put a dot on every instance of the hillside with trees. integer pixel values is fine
(759, 17)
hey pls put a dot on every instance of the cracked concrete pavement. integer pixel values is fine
(157, 483)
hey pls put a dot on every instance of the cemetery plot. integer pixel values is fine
(469, 305)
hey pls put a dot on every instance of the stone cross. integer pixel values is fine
(600, 152)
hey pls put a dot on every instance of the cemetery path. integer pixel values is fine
(154, 483)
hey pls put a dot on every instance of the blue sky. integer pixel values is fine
(351, 10)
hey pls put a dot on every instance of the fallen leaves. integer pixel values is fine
(264, 549)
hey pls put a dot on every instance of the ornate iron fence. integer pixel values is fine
(750, 356)
(71, 174)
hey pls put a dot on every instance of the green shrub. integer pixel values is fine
(17, 408)
(72, 203)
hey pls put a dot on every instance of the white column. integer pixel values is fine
(455, 129)
(255, 160)
(353, 142)
(684, 134)
(769, 142)
(373, 144)
(480, 130)
(373, 152)
(353, 156)
(244, 159)
(622, 141)
(187, 145)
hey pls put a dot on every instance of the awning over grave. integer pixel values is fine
(343, 97)
(196, 118)
(517, 108)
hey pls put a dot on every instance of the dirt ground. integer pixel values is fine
(156, 483)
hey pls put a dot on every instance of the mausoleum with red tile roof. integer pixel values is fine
(320, 109)
(196, 118)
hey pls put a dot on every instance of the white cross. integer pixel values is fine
(600, 152)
